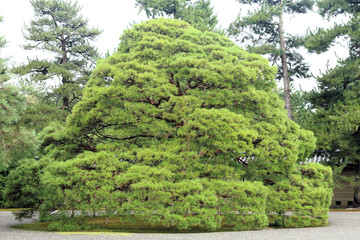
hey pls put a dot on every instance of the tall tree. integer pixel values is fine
(59, 29)
(262, 31)
(336, 102)
(198, 13)
(16, 143)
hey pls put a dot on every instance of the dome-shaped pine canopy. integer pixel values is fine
(173, 95)
(162, 125)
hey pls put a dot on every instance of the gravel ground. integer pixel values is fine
(343, 225)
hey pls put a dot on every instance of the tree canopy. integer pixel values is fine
(60, 30)
(322, 39)
(261, 31)
(198, 13)
(175, 87)
(163, 129)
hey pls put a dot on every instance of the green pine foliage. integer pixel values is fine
(259, 32)
(198, 13)
(22, 186)
(92, 182)
(16, 142)
(322, 39)
(335, 103)
(301, 109)
(42, 108)
(161, 131)
(336, 119)
(60, 30)
(3, 67)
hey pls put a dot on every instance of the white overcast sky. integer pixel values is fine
(114, 16)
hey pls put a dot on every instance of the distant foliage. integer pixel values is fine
(60, 30)
(259, 31)
(3, 67)
(16, 142)
(198, 13)
(336, 101)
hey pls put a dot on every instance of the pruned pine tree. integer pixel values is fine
(60, 29)
(198, 13)
(262, 31)
(160, 135)
(162, 127)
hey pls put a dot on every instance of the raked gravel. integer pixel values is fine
(343, 225)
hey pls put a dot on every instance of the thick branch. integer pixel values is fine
(126, 138)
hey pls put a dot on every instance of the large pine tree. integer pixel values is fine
(60, 29)
(161, 131)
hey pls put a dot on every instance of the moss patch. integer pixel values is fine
(96, 233)
(118, 225)
(38, 226)
(10, 209)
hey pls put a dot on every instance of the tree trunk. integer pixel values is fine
(65, 103)
(64, 80)
(284, 65)
(219, 209)
(106, 216)
(357, 186)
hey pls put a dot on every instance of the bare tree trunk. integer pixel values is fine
(106, 216)
(64, 80)
(219, 209)
(65, 103)
(357, 187)
(285, 66)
